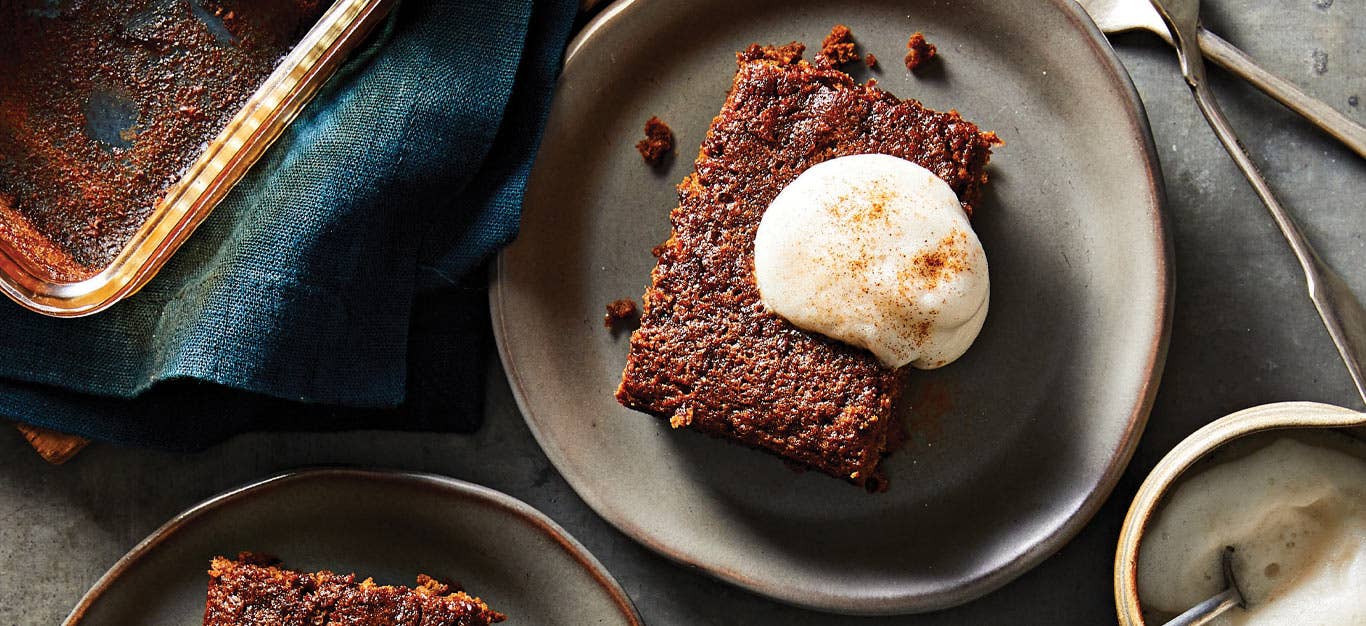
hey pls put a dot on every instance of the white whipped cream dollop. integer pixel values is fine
(1295, 513)
(875, 251)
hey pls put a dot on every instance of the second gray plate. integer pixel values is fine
(1013, 448)
(388, 525)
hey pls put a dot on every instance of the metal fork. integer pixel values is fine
(1115, 16)
(1341, 312)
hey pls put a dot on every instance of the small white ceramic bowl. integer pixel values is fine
(1267, 417)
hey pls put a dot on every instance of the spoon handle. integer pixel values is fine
(1350, 133)
(1341, 312)
(1205, 611)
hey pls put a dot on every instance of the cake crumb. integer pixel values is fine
(618, 312)
(658, 141)
(918, 51)
(870, 60)
(838, 47)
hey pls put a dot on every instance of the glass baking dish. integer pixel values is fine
(51, 278)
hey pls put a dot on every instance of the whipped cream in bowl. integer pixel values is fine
(1293, 507)
(1283, 485)
(875, 251)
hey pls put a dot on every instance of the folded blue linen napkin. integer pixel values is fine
(340, 284)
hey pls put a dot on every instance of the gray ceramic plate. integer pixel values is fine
(1014, 447)
(388, 525)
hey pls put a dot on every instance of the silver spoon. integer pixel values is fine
(1116, 16)
(1230, 597)
(1341, 312)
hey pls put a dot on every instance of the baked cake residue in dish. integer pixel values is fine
(104, 104)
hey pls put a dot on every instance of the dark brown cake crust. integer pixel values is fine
(708, 355)
(253, 591)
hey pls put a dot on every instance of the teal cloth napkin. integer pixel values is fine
(340, 284)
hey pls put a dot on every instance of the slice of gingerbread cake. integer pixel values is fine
(708, 354)
(254, 590)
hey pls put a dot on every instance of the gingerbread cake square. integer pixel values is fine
(708, 355)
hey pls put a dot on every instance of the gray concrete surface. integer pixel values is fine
(1244, 334)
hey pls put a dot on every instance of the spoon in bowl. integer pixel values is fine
(1230, 597)
(1342, 314)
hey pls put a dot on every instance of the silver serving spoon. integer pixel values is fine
(1231, 596)
(1117, 16)
(1341, 312)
